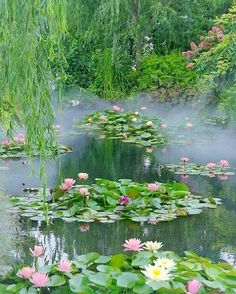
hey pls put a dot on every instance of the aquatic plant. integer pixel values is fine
(185, 167)
(144, 272)
(129, 127)
(109, 201)
(17, 148)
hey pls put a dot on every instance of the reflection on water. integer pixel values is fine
(210, 234)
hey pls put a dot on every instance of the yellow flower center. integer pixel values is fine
(156, 272)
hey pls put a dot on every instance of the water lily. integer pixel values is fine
(124, 200)
(84, 191)
(156, 273)
(133, 244)
(152, 246)
(64, 266)
(83, 176)
(164, 126)
(184, 159)
(67, 185)
(116, 108)
(40, 280)
(136, 113)
(193, 287)
(26, 272)
(103, 117)
(189, 125)
(37, 251)
(211, 165)
(153, 186)
(134, 119)
(211, 175)
(184, 176)
(224, 163)
(6, 143)
(149, 123)
(223, 177)
(149, 149)
(19, 139)
(90, 120)
(165, 262)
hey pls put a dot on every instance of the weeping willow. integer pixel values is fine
(30, 36)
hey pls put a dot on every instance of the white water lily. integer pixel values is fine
(156, 273)
(152, 246)
(166, 263)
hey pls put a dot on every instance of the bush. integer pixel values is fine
(164, 72)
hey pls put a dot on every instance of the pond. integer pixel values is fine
(210, 234)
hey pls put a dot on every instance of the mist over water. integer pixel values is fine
(211, 233)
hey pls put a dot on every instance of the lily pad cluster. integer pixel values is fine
(144, 272)
(109, 201)
(17, 150)
(185, 167)
(129, 127)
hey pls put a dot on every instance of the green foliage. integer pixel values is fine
(189, 168)
(102, 202)
(121, 273)
(164, 72)
(130, 127)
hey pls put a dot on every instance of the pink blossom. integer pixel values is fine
(153, 222)
(116, 108)
(219, 37)
(37, 251)
(124, 200)
(6, 143)
(193, 46)
(84, 191)
(39, 280)
(133, 244)
(67, 185)
(64, 266)
(214, 29)
(19, 139)
(153, 186)
(26, 272)
(211, 165)
(84, 228)
(184, 159)
(224, 163)
(193, 287)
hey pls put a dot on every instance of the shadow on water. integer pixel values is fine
(211, 233)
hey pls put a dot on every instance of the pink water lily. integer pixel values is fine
(64, 266)
(67, 185)
(116, 108)
(124, 200)
(19, 139)
(84, 191)
(6, 143)
(39, 280)
(224, 163)
(133, 244)
(184, 176)
(193, 287)
(153, 186)
(26, 272)
(184, 159)
(223, 177)
(211, 165)
(37, 251)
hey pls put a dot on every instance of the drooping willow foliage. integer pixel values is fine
(30, 36)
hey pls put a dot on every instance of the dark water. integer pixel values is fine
(211, 233)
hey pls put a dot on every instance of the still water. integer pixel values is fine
(211, 233)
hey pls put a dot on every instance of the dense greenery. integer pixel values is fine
(114, 60)
(148, 270)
